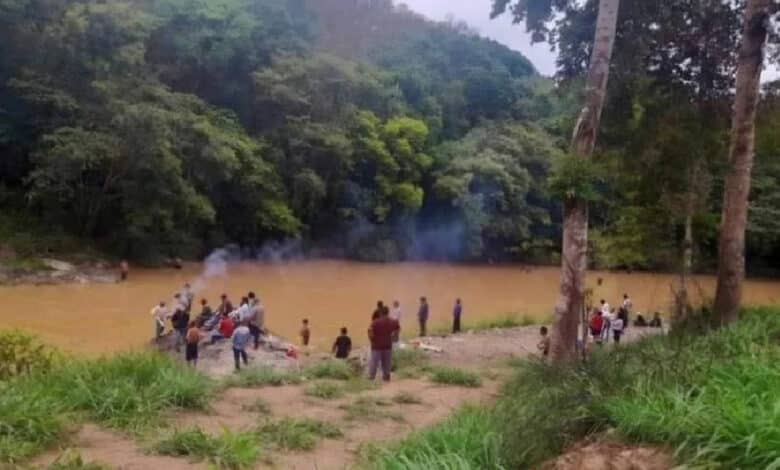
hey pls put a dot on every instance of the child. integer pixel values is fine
(343, 345)
(305, 333)
(241, 338)
(193, 338)
(544, 343)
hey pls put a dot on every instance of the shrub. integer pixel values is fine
(235, 450)
(455, 376)
(297, 434)
(21, 353)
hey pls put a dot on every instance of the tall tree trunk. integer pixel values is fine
(574, 251)
(731, 252)
(682, 298)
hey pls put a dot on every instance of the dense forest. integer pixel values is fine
(161, 128)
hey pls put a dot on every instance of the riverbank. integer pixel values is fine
(703, 401)
(144, 410)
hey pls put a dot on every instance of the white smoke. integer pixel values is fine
(215, 265)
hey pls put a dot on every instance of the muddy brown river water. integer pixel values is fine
(103, 318)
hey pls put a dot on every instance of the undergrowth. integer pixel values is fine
(128, 392)
(710, 397)
(455, 376)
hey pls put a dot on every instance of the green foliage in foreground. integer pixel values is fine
(324, 390)
(297, 434)
(455, 376)
(711, 397)
(233, 450)
(466, 440)
(127, 392)
(331, 369)
(71, 460)
(21, 353)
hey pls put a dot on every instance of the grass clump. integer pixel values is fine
(467, 440)
(263, 377)
(128, 392)
(72, 460)
(455, 376)
(407, 398)
(234, 450)
(258, 406)
(324, 390)
(330, 369)
(297, 434)
(369, 409)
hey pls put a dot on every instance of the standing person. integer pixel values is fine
(241, 338)
(191, 349)
(188, 296)
(457, 311)
(596, 325)
(422, 316)
(253, 317)
(305, 333)
(380, 307)
(124, 270)
(617, 328)
(396, 312)
(159, 314)
(544, 342)
(381, 333)
(343, 345)
(604, 307)
(628, 305)
(180, 321)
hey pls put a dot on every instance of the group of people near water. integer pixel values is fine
(605, 321)
(241, 325)
(245, 324)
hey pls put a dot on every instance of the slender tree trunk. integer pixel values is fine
(682, 299)
(731, 252)
(574, 251)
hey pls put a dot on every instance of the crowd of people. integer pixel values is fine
(244, 326)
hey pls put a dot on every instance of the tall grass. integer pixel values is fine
(234, 450)
(468, 440)
(297, 434)
(455, 376)
(127, 392)
(712, 398)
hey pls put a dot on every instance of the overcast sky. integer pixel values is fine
(477, 14)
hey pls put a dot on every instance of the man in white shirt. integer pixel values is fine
(604, 307)
(159, 314)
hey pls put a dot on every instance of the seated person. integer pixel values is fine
(656, 321)
(640, 321)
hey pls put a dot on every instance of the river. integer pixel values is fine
(103, 318)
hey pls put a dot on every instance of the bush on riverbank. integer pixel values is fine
(127, 392)
(711, 397)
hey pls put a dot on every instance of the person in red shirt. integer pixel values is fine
(381, 334)
(225, 330)
(596, 325)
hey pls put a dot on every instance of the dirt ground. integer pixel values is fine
(485, 352)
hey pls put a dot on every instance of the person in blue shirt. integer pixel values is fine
(241, 338)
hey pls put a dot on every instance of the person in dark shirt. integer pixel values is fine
(180, 321)
(343, 345)
(205, 313)
(381, 334)
(305, 333)
(422, 315)
(457, 311)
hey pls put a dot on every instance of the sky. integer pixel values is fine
(477, 14)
